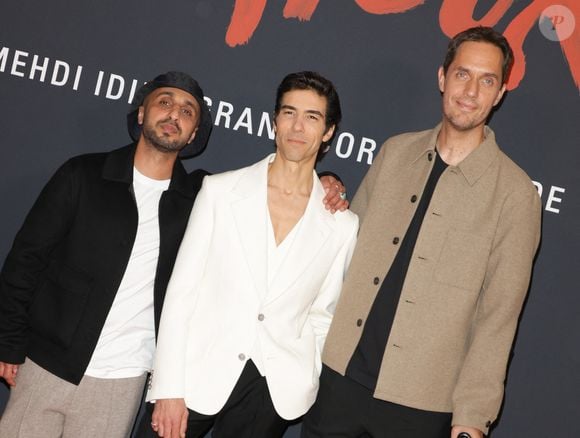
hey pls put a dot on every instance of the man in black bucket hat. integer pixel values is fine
(82, 288)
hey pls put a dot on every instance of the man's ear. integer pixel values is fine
(441, 79)
(192, 136)
(499, 95)
(140, 115)
(328, 134)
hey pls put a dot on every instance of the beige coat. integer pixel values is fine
(466, 282)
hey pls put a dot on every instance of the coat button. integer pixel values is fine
(430, 156)
(242, 356)
(358, 322)
(261, 317)
(395, 240)
(487, 423)
(376, 280)
(413, 198)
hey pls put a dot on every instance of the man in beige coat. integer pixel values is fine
(419, 344)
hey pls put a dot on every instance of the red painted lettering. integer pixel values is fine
(388, 6)
(245, 18)
(457, 15)
(248, 13)
(301, 9)
(454, 16)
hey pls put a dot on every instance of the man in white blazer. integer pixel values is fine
(255, 285)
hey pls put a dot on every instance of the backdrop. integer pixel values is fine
(69, 68)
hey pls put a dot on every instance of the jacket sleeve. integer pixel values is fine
(44, 227)
(479, 391)
(169, 370)
(323, 307)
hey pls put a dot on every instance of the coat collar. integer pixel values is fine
(249, 208)
(119, 167)
(426, 143)
(475, 164)
(478, 161)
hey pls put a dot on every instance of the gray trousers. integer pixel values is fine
(42, 405)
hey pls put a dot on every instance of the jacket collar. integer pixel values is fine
(478, 161)
(425, 144)
(119, 167)
(475, 164)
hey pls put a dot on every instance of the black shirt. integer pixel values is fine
(366, 361)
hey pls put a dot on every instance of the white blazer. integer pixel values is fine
(219, 310)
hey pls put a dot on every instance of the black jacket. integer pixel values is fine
(67, 261)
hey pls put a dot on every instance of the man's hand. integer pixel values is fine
(333, 200)
(8, 372)
(473, 432)
(169, 418)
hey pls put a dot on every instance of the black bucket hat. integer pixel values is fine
(183, 81)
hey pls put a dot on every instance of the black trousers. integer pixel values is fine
(248, 413)
(346, 409)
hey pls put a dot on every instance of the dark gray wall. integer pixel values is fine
(384, 65)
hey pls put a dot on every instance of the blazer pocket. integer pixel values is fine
(59, 304)
(463, 260)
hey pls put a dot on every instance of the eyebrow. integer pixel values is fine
(307, 111)
(172, 94)
(488, 74)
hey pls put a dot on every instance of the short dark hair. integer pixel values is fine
(309, 80)
(484, 35)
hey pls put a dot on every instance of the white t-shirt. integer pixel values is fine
(127, 341)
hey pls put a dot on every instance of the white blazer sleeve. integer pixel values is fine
(323, 307)
(169, 370)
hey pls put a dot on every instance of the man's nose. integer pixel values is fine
(472, 87)
(175, 112)
(298, 124)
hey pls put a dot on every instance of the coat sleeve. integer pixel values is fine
(169, 370)
(44, 228)
(323, 307)
(479, 391)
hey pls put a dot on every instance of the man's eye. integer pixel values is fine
(187, 112)
(461, 75)
(489, 82)
(164, 102)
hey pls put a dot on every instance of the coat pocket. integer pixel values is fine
(463, 260)
(59, 304)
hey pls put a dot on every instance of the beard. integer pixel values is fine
(464, 124)
(161, 142)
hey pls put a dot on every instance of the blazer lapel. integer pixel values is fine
(249, 209)
(317, 226)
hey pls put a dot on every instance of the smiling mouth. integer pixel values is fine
(467, 106)
(297, 140)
